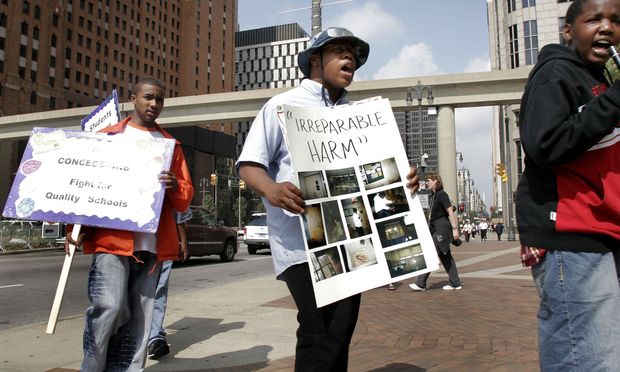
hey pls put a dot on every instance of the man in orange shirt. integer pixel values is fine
(125, 266)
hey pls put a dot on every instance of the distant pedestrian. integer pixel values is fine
(467, 230)
(483, 226)
(499, 230)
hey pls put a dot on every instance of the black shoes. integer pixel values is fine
(158, 349)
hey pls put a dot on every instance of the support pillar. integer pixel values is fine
(446, 150)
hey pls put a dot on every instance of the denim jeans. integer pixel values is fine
(161, 300)
(579, 313)
(121, 290)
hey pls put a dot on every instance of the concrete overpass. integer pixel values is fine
(450, 91)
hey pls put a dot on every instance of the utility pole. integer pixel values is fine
(316, 7)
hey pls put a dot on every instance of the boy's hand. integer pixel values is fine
(413, 181)
(286, 196)
(169, 180)
(69, 240)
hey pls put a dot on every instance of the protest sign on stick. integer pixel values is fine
(362, 227)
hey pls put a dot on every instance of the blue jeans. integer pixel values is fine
(579, 313)
(121, 291)
(161, 300)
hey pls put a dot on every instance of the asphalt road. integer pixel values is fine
(28, 281)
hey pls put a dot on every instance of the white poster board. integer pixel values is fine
(91, 179)
(362, 227)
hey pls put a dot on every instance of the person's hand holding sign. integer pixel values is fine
(413, 181)
(169, 180)
(286, 196)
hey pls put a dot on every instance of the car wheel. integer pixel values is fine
(252, 249)
(228, 254)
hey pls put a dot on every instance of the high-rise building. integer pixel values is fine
(518, 29)
(267, 58)
(61, 54)
(418, 130)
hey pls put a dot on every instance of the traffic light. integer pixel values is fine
(241, 184)
(500, 170)
(213, 180)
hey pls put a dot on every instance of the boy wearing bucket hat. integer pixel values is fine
(328, 64)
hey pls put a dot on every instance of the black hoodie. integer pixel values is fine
(569, 195)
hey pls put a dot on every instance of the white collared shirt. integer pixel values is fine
(265, 145)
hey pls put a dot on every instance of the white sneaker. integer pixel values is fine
(416, 288)
(451, 288)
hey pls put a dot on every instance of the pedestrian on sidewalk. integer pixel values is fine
(328, 64)
(444, 229)
(499, 230)
(567, 198)
(125, 266)
(157, 344)
(484, 227)
(467, 230)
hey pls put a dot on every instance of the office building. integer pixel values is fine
(61, 54)
(267, 58)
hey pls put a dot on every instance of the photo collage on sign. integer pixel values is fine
(348, 209)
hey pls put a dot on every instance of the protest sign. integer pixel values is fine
(362, 227)
(103, 116)
(90, 179)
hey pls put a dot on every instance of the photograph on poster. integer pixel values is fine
(358, 254)
(379, 173)
(312, 185)
(313, 226)
(356, 215)
(405, 260)
(326, 263)
(334, 228)
(388, 202)
(396, 231)
(342, 181)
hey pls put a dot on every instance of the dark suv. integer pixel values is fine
(205, 237)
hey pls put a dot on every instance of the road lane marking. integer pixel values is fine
(10, 286)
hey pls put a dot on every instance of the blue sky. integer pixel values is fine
(408, 38)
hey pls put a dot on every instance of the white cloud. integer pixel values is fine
(370, 22)
(479, 64)
(412, 60)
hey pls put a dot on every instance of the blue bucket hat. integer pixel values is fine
(330, 35)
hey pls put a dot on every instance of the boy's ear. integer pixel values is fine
(315, 61)
(567, 33)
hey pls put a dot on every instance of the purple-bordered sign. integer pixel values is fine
(91, 179)
(103, 116)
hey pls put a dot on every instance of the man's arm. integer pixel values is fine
(283, 195)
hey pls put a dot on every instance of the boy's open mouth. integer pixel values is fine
(601, 46)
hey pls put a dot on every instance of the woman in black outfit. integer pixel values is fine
(444, 228)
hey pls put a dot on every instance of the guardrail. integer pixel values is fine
(23, 234)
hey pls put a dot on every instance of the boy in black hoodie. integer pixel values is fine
(568, 199)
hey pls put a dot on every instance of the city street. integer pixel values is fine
(237, 317)
(28, 281)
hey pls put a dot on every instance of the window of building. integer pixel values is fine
(54, 40)
(52, 61)
(21, 71)
(511, 5)
(561, 23)
(33, 98)
(22, 50)
(25, 28)
(2, 20)
(78, 76)
(530, 31)
(528, 3)
(33, 76)
(52, 103)
(52, 81)
(514, 46)
(25, 7)
(37, 12)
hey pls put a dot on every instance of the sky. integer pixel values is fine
(408, 38)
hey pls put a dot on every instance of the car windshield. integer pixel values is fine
(258, 221)
(201, 216)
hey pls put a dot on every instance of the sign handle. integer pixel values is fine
(62, 282)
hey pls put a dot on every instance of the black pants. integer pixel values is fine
(324, 334)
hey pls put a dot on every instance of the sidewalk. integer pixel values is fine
(490, 325)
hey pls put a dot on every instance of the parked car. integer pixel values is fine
(256, 235)
(206, 237)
